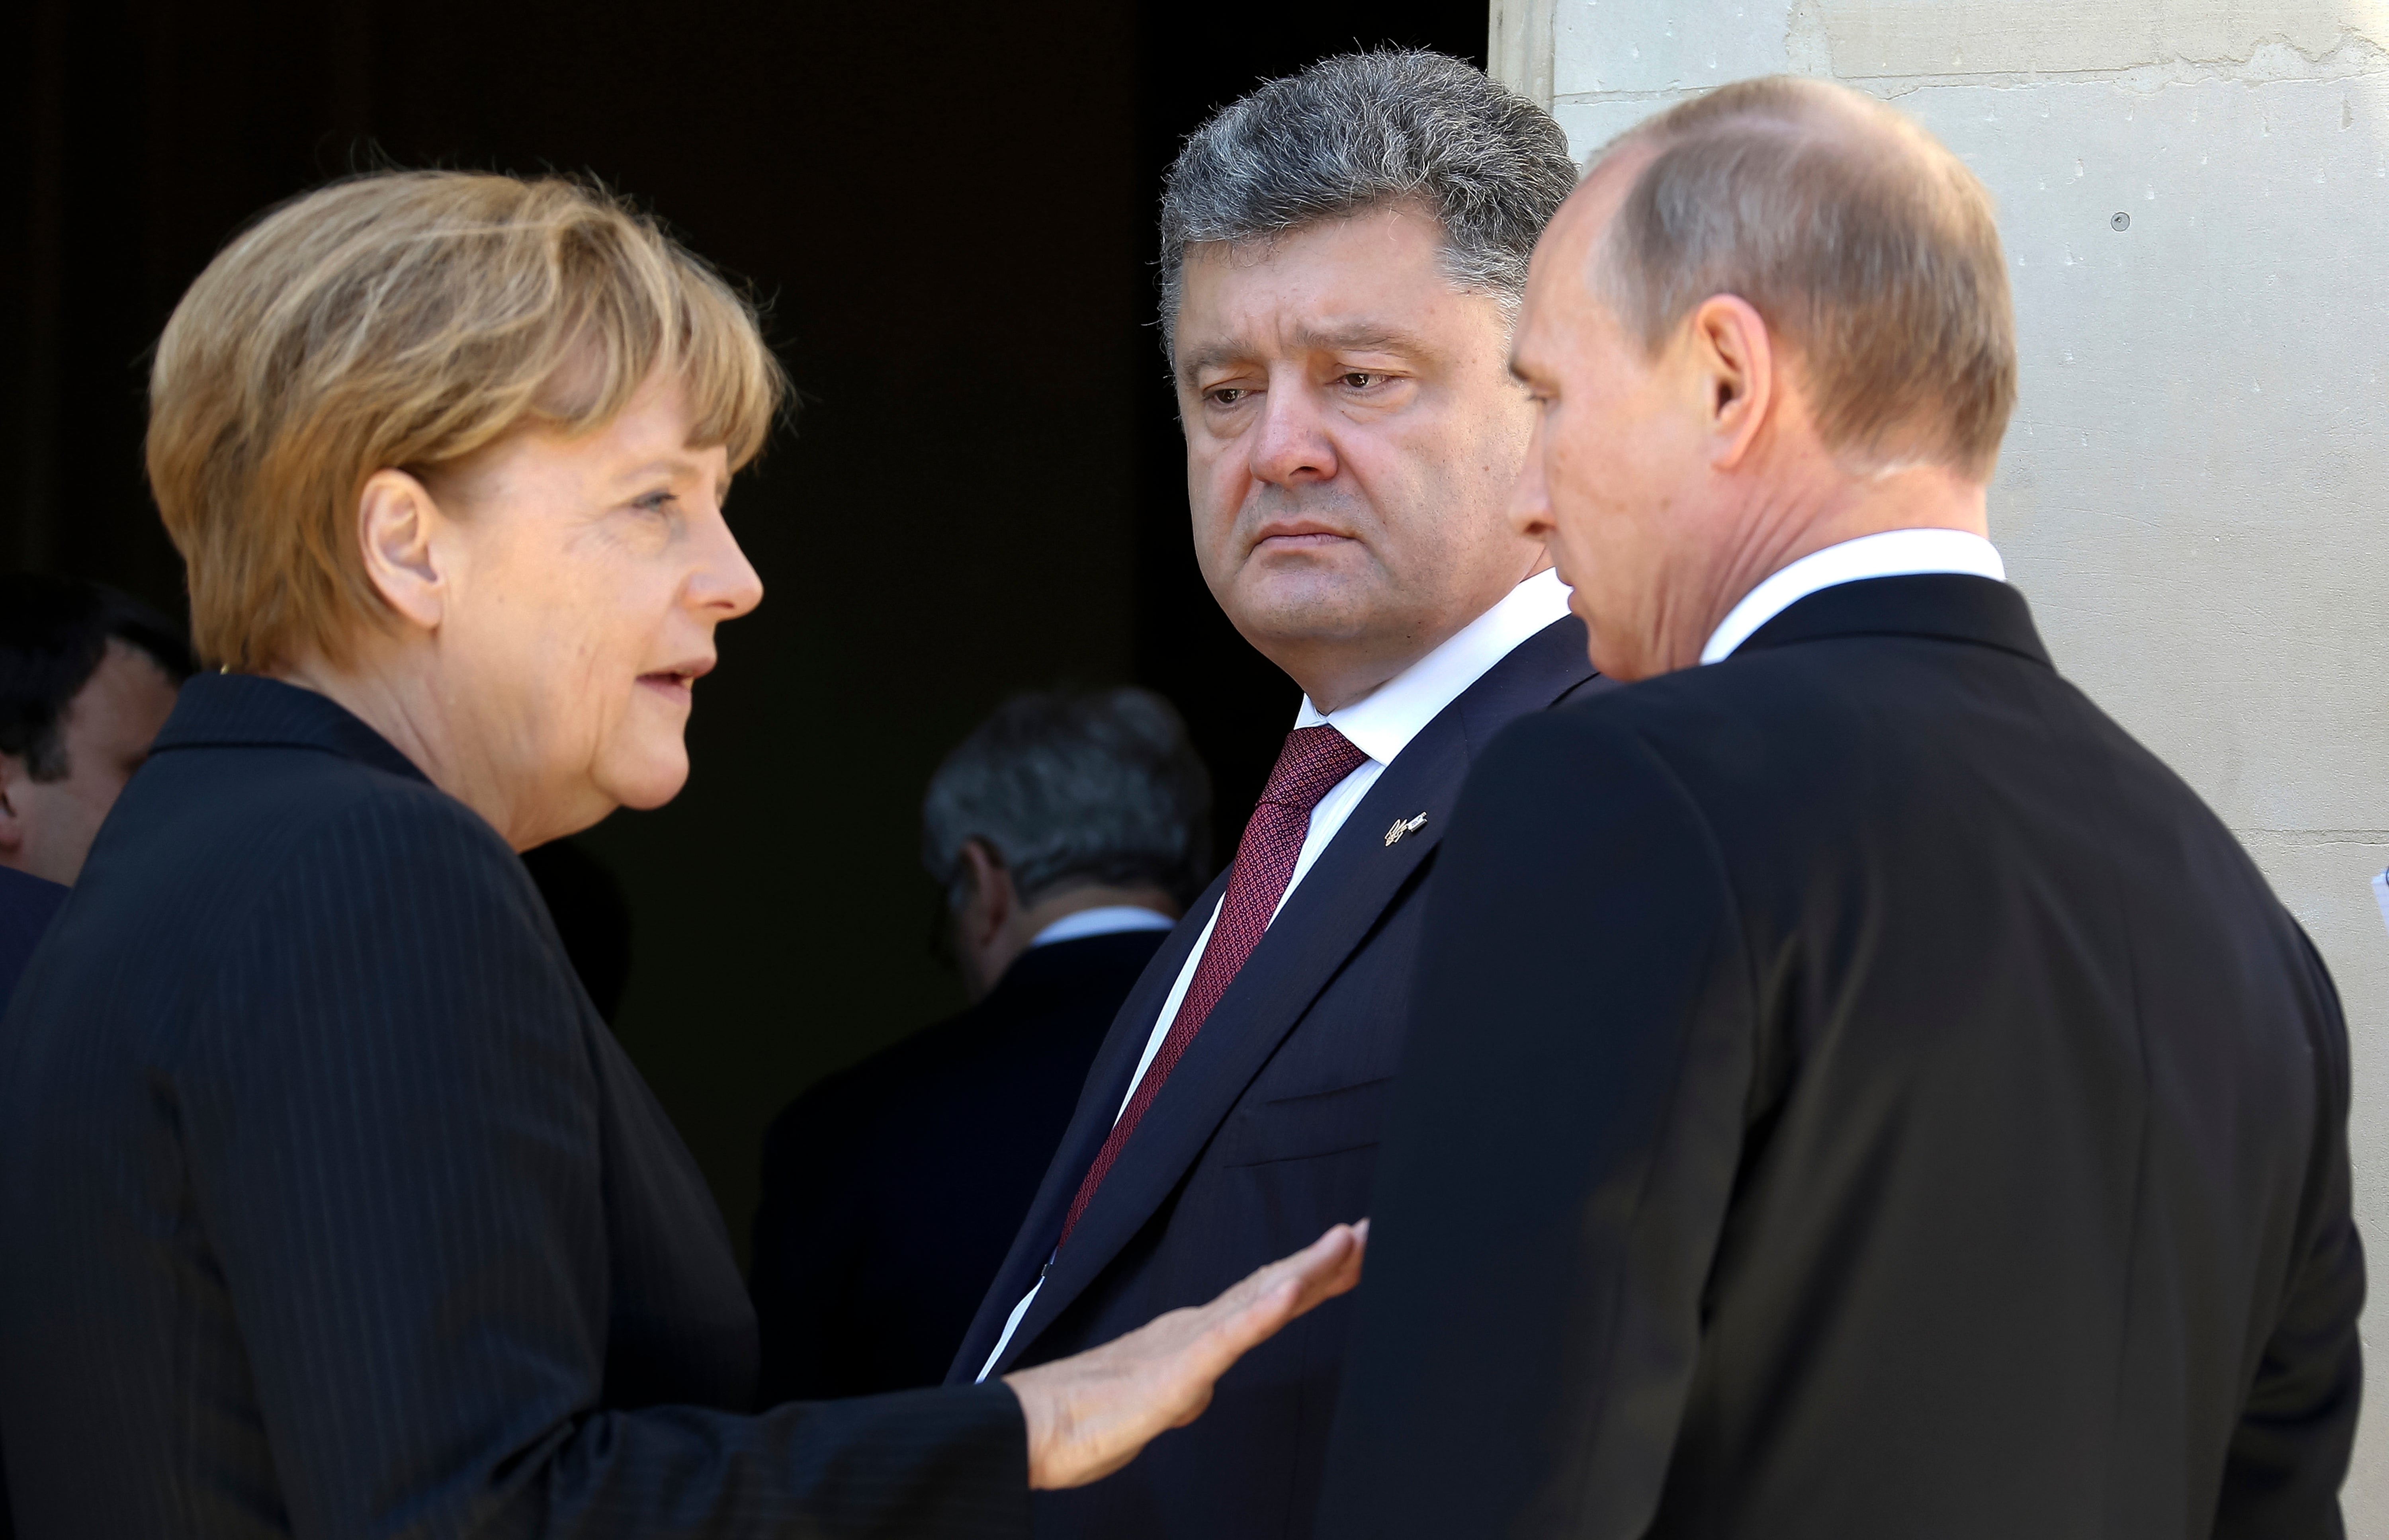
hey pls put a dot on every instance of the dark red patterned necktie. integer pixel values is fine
(1314, 760)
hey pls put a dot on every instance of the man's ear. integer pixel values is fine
(1734, 357)
(402, 535)
(14, 778)
(993, 898)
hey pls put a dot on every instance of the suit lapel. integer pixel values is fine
(1329, 915)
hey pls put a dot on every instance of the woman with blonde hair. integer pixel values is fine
(331, 1207)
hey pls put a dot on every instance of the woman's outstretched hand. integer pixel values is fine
(1089, 1415)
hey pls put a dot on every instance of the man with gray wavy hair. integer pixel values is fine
(1343, 253)
(1068, 831)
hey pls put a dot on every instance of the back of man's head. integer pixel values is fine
(1094, 789)
(54, 634)
(1871, 250)
(1359, 131)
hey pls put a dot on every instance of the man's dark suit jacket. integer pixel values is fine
(26, 905)
(332, 1208)
(1856, 1093)
(1265, 1135)
(892, 1190)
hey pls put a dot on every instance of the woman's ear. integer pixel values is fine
(1736, 359)
(402, 533)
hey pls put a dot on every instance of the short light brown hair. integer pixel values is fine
(1871, 250)
(404, 320)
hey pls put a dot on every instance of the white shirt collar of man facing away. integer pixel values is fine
(1893, 554)
(1109, 920)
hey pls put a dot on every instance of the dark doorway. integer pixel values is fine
(947, 210)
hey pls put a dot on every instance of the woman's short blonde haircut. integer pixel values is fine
(403, 321)
(1869, 248)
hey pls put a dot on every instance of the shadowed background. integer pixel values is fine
(947, 210)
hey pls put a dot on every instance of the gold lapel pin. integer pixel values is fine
(1405, 826)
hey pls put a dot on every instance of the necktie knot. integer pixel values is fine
(1313, 761)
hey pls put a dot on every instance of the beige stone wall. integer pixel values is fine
(2195, 202)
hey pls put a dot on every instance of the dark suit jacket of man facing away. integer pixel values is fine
(26, 905)
(1265, 1135)
(1856, 1093)
(334, 1209)
(892, 1190)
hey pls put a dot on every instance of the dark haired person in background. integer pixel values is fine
(1070, 831)
(1342, 253)
(86, 680)
(87, 677)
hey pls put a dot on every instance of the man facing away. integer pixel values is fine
(1341, 251)
(1069, 831)
(1856, 1092)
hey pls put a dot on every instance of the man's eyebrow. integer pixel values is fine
(1217, 355)
(1368, 337)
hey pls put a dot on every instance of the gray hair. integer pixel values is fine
(1356, 131)
(1098, 787)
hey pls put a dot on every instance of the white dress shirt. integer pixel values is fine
(1381, 724)
(1894, 554)
(1109, 920)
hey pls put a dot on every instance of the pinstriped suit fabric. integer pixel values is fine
(335, 1211)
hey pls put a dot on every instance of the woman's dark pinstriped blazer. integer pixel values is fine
(329, 1207)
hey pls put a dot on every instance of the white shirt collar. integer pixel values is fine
(1382, 723)
(1893, 554)
(1110, 919)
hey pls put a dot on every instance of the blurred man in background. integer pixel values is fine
(1069, 831)
(86, 679)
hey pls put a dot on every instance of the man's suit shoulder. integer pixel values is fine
(1785, 722)
(956, 1055)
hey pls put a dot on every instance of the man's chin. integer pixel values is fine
(1623, 658)
(1315, 600)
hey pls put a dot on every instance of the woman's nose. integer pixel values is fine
(725, 584)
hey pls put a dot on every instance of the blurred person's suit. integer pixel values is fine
(1068, 831)
(26, 905)
(891, 1190)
